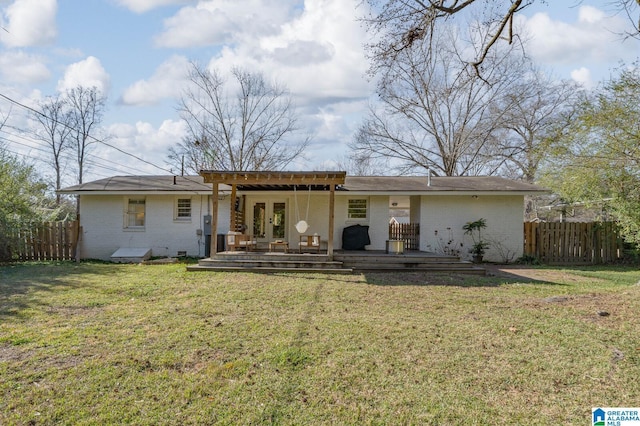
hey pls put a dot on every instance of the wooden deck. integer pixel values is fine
(343, 262)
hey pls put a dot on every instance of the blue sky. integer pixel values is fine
(138, 51)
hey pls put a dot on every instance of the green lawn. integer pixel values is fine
(95, 343)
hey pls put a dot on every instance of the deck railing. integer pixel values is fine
(407, 232)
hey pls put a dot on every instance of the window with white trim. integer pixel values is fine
(357, 208)
(183, 209)
(135, 214)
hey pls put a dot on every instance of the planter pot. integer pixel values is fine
(477, 258)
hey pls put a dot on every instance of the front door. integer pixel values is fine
(269, 220)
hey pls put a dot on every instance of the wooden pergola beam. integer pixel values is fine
(273, 178)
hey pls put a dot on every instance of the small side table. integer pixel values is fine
(273, 245)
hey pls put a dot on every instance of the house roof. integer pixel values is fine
(353, 184)
(145, 184)
(453, 184)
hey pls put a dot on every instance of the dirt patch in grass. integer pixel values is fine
(426, 279)
(496, 275)
(10, 353)
(524, 273)
(585, 292)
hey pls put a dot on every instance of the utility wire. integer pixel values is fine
(28, 108)
(66, 155)
(90, 136)
(89, 161)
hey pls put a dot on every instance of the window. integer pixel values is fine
(357, 208)
(135, 213)
(183, 209)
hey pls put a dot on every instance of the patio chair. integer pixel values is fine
(309, 242)
(236, 240)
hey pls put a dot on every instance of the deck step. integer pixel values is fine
(343, 262)
(397, 259)
(269, 269)
(269, 264)
(243, 256)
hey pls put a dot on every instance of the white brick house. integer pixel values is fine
(170, 215)
(166, 214)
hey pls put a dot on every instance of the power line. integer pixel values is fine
(22, 154)
(28, 108)
(67, 157)
(90, 136)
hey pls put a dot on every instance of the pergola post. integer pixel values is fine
(233, 207)
(214, 221)
(332, 196)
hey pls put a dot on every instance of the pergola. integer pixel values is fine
(272, 181)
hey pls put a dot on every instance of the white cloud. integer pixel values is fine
(166, 82)
(128, 137)
(336, 125)
(88, 73)
(213, 22)
(317, 55)
(303, 52)
(337, 119)
(29, 23)
(590, 15)
(141, 6)
(22, 68)
(146, 141)
(583, 76)
(594, 37)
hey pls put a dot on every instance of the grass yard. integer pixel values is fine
(95, 343)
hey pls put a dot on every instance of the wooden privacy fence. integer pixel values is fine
(572, 243)
(407, 232)
(48, 241)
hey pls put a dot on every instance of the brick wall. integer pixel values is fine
(102, 218)
(504, 216)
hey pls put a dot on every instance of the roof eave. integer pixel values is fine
(442, 192)
(138, 192)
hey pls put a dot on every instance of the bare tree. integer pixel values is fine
(537, 111)
(254, 128)
(55, 131)
(398, 24)
(362, 163)
(435, 114)
(630, 8)
(86, 108)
